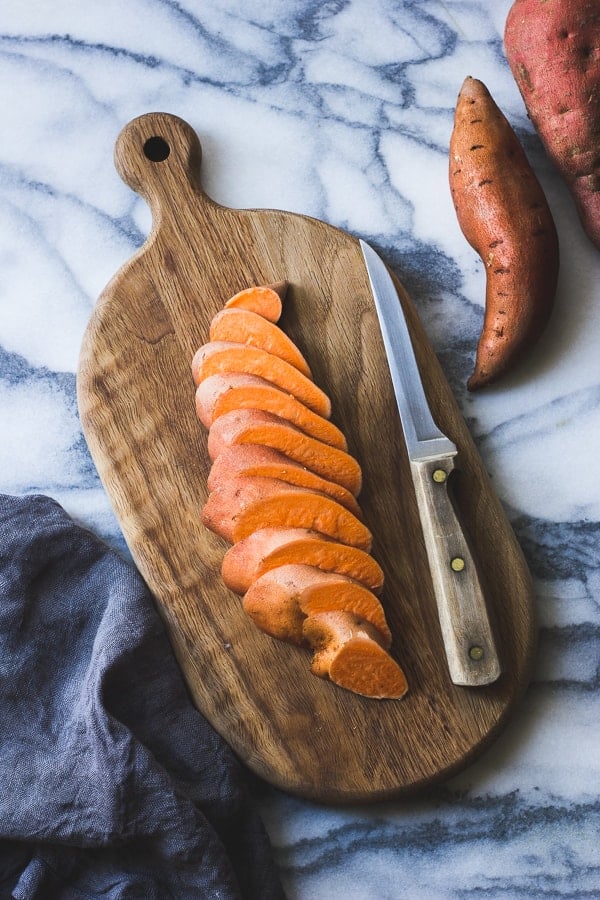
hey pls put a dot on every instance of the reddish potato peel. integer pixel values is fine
(553, 49)
(503, 213)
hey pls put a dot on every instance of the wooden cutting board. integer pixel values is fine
(136, 399)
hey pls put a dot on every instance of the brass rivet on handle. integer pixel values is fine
(439, 476)
(457, 564)
(476, 653)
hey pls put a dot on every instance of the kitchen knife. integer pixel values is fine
(464, 620)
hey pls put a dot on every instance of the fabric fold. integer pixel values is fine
(112, 784)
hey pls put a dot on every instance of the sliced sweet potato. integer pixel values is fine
(282, 490)
(264, 462)
(254, 426)
(279, 601)
(241, 326)
(218, 357)
(270, 547)
(220, 394)
(265, 301)
(349, 651)
(246, 504)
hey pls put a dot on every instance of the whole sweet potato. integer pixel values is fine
(553, 49)
(503, 213)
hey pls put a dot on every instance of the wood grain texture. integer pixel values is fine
(136, 398)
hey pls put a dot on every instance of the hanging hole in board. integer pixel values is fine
(156, 149)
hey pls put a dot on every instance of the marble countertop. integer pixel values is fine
(340, 110)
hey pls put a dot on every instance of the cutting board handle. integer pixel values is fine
(158, 155)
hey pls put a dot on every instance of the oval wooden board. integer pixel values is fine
(136, 399)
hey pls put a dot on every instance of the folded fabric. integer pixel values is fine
(112, 784)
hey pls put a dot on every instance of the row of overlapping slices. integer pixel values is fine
(283, 492)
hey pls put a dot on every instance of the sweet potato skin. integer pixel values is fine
(283, 597)
(553, 50)
(503, 213)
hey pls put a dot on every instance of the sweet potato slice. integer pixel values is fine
(265, 301)
(246, 504)
(268, 548)
(264, 462)
(241, 326)
(279, 601)
(349, 651)
(221, 394)
(218, 357)
(254, 426)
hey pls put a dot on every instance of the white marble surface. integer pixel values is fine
(340, 110)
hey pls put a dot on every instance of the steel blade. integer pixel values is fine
(423, 437)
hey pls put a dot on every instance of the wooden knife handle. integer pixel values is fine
(464, 620)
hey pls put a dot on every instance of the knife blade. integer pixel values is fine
(463, 615)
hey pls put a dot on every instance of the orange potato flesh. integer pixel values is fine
(280, 600)
(269, 548)
(242, 326)
(253, 426)
(219, 357)
(264, 462)
(282, 491)
(246, 504)
(221, 394)
(349, 652)
(265, 301)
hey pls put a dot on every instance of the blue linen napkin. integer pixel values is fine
(112, 784)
